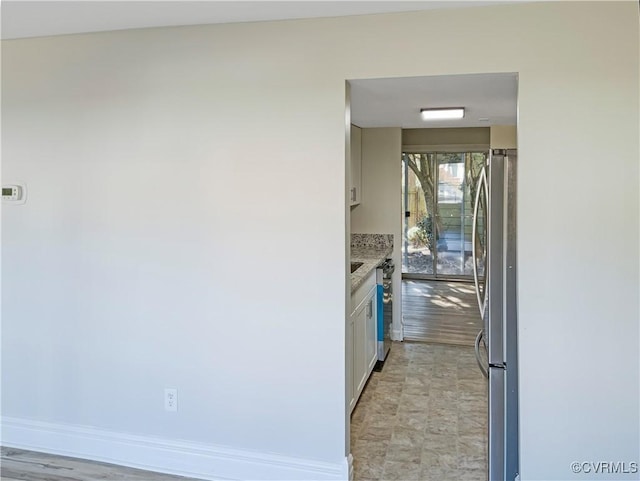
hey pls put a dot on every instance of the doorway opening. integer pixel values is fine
(441, 230)
(427, 408)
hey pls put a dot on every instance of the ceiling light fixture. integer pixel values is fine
(442, 114)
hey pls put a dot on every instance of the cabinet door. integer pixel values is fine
(371, 352)
(356, 165)
(359, 357)
(351, 387)
(362, 340)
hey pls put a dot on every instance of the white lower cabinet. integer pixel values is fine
(371, 334)
(351, 392)
(361, 329)
(359, 340)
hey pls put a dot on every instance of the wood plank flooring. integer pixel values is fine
(440, 311)
(17, 464)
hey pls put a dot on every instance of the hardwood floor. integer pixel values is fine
(440, 311)
(18, 464)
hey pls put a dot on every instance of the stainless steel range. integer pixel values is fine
(385, 310)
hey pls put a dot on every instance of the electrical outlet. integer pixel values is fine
(170, 399)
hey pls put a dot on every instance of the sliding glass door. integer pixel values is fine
(438, 192)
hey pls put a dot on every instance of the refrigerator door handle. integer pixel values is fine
(482, 180)
(484, 369)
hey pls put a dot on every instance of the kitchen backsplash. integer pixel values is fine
(372, 241)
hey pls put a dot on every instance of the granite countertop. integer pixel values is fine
(371, 257)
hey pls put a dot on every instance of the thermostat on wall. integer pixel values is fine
(14, 193)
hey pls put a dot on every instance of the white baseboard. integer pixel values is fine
(169, 456)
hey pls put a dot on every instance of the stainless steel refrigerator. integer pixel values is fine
(494, 261)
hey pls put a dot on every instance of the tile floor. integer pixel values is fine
(423, 417)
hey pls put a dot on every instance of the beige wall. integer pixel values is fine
(446, 137)
(380, 211)
(504, 137)
(106, 269)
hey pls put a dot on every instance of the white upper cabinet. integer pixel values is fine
(355, 193)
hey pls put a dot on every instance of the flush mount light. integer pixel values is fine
(442, 114)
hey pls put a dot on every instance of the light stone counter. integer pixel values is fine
(371, 250)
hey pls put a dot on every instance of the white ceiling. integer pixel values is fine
(396, 102)
(26, 18)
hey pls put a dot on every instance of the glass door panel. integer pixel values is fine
(417, 206)
(450, 206)
(438, 199)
